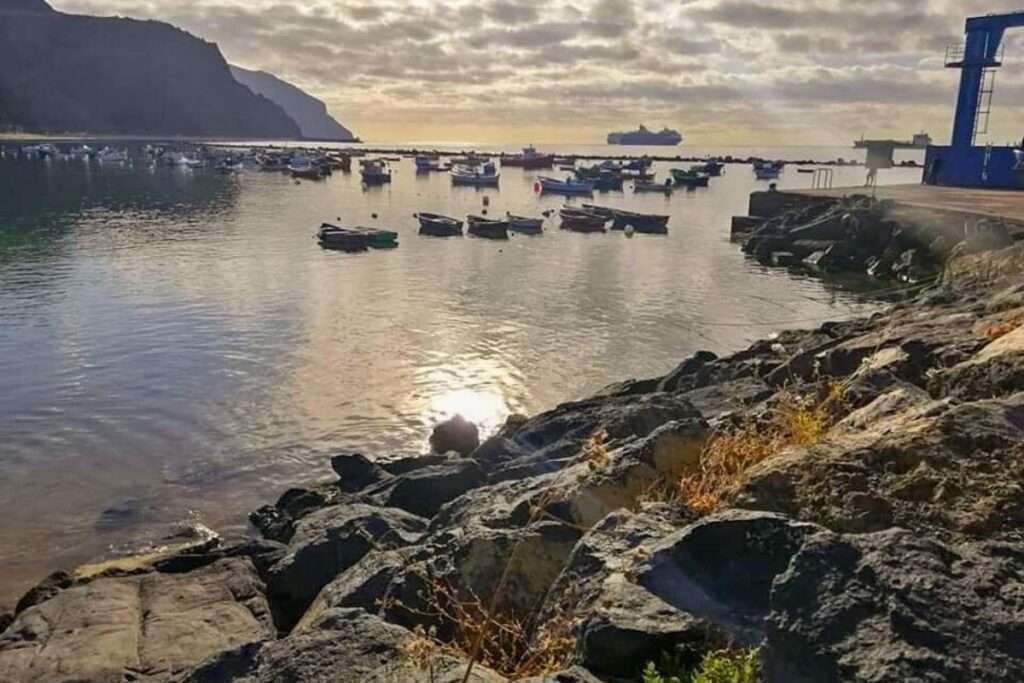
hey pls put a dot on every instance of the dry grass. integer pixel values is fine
(510, 646)
(728, 456)
(594, 451)
(1003, 327)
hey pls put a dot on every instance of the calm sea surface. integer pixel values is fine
(174, 346)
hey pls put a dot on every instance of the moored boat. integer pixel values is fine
(334, 237)
(767, 171)
(464, 175)
(688, 177)
(302, 167)
(374, 172)
(426, 163)
(568, 186)
(606, 182)
(111, 155)
(487, 228)
(647, 186)
(532, 226)
(530, 158)
(436, 225)
(582, 220)
(711, 167)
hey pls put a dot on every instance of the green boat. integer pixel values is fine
(688, 177)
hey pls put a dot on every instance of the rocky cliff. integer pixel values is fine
(843, 503)
(311, 115)
(64, 72)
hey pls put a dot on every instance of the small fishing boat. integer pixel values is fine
(470, 160)
(711, 167)
(689, 178)
(651, 223)
(333, 237)
(607, 182)
(767, 171)
(436, 225)
(464, 175)
(582, 220)
(374, 172)
(425, 163)
(111, 155)
(195, 162)
(637, 174)
(568, 186)
(230, 165)
(487, 228)
(82, 152)
(646, 186)
(530, 158)
(302, 167)
(531, 226)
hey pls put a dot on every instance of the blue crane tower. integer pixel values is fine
(963, 163)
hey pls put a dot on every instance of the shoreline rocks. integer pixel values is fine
(889, 550)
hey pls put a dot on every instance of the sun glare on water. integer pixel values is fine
(486, 409)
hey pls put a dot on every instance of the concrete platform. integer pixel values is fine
(968, 201)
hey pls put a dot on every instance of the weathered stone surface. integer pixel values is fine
(326, 543)
(551, 440)
(116, 629)
(936, 467)
(455, 434)
(356, 472)
(721, 568)
(574, 675)
(892, 607)
(342, 646)
(423, 491)
(277, 522)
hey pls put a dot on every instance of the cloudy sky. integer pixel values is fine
(722, 71)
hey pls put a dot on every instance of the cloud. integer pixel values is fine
(761, 69)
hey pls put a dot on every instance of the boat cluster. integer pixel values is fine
(586, 218)
(611, 175)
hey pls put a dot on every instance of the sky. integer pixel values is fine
(723, 72)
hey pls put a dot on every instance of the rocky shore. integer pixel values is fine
(878, 537)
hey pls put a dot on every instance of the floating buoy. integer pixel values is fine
(487, 201)
(373, 215)
(536, 187)
(483, 211)
(628, 231)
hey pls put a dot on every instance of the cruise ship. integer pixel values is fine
(642, 136)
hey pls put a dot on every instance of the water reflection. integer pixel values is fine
(174, 345)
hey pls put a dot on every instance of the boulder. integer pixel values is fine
(326, 543)
(935, 467)
(553, 439)
(424, 491)
(894, 606)
(277, 522)
(341, 646)
(721, 568)
(406, 464)
(356, 472)
(455, 434)
(121, 628)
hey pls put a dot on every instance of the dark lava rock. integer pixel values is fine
(455, 434)
(892, 607)
(721, 568)
(44, 590)
(326, 543)
(341, 646)
(277, 522)
(574, 675)
(407, 464)
(357, 472)
(424, 491)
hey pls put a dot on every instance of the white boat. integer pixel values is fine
(111, 155)
(567, 186)
(465, 175)
(193, 162)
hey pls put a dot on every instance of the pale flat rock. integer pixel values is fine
(144, 627)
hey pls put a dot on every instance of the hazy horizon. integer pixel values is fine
(722, 72)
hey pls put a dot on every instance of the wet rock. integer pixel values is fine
(455, 434)
(44, 590)
(407, 464)
(892, 606)
(690, 374)
(114, 629)
(277, 522)
(356, 472)
(262, 553)
(424, 491)
(326, 543)
(722, 398)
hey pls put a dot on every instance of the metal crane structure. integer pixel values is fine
(963, 163)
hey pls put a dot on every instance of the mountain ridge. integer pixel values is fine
(308, 112)
(114, 75)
